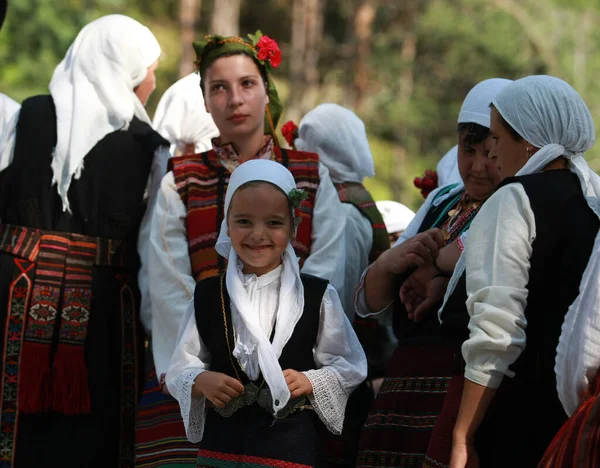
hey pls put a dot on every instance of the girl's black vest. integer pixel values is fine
(213, 319)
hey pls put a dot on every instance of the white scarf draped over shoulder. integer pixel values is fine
(548, 113)
(254, 350)
(181, 117)
(93, 90)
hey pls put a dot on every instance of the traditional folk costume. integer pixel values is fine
(348, 157)
(530, 269)
(70, 332)
(182, 118)
(397, 430)
(252, 328)
(186, 223)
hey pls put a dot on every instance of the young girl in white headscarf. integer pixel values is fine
(263, 348)
(531, 268)
(75, 170)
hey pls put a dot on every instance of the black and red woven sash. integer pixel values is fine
(60, 302)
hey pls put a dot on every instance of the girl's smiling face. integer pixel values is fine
(260, 226)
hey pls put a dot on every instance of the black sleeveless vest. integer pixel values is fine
(106, 201)
(565, 232)
(216, 331)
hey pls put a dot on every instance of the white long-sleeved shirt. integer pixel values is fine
(341, 364)
(358, 243)
(497, 255)
(170, 271)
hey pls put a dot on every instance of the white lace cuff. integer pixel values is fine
(328, 397)
(193, 410)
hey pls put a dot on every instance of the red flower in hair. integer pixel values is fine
(428, 183)
(290, 132)
(268, 50)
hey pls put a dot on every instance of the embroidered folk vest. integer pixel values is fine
(357, 195)
(202, 182)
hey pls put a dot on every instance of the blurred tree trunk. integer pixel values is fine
(188, 16)
(307, 35)
(363, 32)
(225, 18)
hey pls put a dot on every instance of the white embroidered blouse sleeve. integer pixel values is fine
(157, 172)
(189, 360)
(341, 363)
(326, 257)
(497, 257)
(170, 271)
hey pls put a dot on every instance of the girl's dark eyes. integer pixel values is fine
(242, 222)
(217, 87)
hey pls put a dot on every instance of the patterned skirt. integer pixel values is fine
(251, 438)
(159, 432)
(398, 428)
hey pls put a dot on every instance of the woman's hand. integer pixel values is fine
(422, 291)
(219, 388)
(463, 455)
(298, 384)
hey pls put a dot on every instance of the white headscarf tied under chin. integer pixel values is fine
(92, 90)
(254, 350)
(181, 117)
(339, 137)
(549, 114)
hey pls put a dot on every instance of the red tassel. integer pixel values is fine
(69, 387)
(34, 373)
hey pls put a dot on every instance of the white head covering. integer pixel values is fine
(476, 106)
(396, 216)
(475, 109)
(549, 114)
(339, 137)
(92, 89)
(447, 168)
(254, 350)
(182, 118)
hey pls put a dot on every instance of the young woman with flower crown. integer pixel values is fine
(242, 100)
(263, 349)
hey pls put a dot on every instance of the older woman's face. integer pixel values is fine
(477, 171)
(146, 87)
(508, 154)
(236, 96)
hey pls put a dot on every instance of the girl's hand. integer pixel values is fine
(219, 388)
(298, 384)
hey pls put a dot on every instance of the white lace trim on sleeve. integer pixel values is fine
(193, 410)
(328, 398)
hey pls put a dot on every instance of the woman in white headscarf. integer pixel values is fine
(531, 268)
(182, 118)
(415, 388)
(75, 169)
(349, 160)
